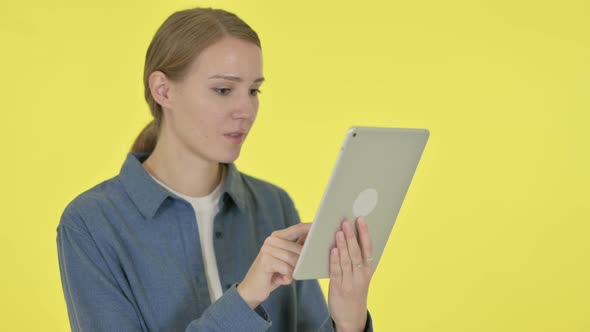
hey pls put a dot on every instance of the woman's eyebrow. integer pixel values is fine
(235, 78)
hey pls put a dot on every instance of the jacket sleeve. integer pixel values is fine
(313, 313)
(95, 302)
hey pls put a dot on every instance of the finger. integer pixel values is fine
(345, 264)
(294, 232)
(283, 244)
(287, 279)
(365, 241)
(275, 265)
(354, 250)
(280, 279)
(335, 269)
(301, 240)
(286, 256)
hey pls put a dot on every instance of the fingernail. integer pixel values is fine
(362, 221)
(345, 225)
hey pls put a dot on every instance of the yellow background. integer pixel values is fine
(494, 233)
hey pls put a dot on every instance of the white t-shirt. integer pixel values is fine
(205, 210)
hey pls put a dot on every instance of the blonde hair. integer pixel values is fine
(178, 41)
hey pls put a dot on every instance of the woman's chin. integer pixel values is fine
(230, 157)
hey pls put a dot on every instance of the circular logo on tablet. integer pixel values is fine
(365, 202)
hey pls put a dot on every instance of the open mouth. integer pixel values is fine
(234, 137)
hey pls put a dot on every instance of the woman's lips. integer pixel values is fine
(235, 138)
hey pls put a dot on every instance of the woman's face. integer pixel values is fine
(213, 108)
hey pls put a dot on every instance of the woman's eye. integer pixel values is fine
(222, 91)
(255, 92)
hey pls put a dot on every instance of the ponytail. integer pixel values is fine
(147, 139)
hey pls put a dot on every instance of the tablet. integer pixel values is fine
(371, 178)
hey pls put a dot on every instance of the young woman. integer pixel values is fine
(181, 240)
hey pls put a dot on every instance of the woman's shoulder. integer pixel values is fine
(261, 187)
(90, 202)
(268, 196)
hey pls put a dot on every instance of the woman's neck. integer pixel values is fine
(185, 173)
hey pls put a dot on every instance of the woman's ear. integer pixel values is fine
(159, 88)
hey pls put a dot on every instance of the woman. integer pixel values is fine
(181, 240)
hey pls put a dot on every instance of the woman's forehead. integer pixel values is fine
(229, 57)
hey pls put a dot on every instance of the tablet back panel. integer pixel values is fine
(371, 177)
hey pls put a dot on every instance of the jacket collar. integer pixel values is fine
(148, 195)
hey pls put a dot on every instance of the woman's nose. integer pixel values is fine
(246, 106)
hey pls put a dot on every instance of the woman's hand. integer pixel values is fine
(274, 264)
(351, 269)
